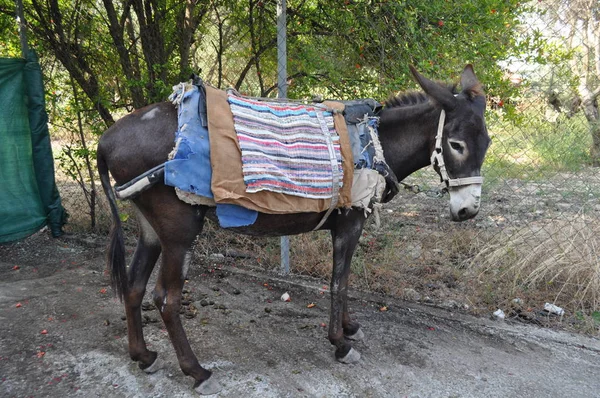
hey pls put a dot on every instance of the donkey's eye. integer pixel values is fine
(456, 146)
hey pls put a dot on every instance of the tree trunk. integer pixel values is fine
(590, 109)
(595, 151)
(116, 29)
(187, 23)
(149, 17)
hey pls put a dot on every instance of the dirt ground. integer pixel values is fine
(64, 335)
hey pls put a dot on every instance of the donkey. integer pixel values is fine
(439, 126)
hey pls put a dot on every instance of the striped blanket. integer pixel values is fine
(287, 148)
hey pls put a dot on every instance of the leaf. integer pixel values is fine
(124, 217)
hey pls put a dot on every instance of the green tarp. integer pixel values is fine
(29, 199)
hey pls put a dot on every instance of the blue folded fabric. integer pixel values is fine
(190, 170)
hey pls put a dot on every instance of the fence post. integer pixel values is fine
(282, 93)
(22, 28)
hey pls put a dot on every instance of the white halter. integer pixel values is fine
(438, 157)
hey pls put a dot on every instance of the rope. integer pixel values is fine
(335, 171)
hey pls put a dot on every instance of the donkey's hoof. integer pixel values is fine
(352, 356)
(157, 365)
(209, 386)
(358, 336)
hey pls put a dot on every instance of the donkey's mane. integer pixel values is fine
(413, 97)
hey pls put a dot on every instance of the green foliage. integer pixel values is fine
(10, 46)
(371, 44)
(71, 160)
(342, 50)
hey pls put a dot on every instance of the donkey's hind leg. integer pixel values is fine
(177, 236)
(145, 256)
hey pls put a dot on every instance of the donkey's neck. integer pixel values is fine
(407, 135)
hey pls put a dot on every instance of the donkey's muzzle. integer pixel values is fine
(465, 202)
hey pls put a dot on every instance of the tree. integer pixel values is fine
(577, 22)
(365, 46)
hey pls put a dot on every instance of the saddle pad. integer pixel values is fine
(287, 148)
(228, 184)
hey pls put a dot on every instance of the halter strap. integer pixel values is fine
(438, 157)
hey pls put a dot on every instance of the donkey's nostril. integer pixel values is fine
(462, 212)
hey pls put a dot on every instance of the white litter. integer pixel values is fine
(286, 297)
(499, 314)
(554, 309)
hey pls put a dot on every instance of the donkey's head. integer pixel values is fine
(461, 142)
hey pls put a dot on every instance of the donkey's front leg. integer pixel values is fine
(167, 297)
(352, 330)
(345, 234)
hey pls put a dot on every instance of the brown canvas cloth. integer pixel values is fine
(226, 162)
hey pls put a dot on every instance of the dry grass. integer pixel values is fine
(310, 254)
(556, 260)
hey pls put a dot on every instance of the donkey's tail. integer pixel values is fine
(116, 250)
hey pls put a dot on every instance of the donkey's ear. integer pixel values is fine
(437, 92)
(470, 84)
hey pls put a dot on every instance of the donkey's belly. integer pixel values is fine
(276, 224)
